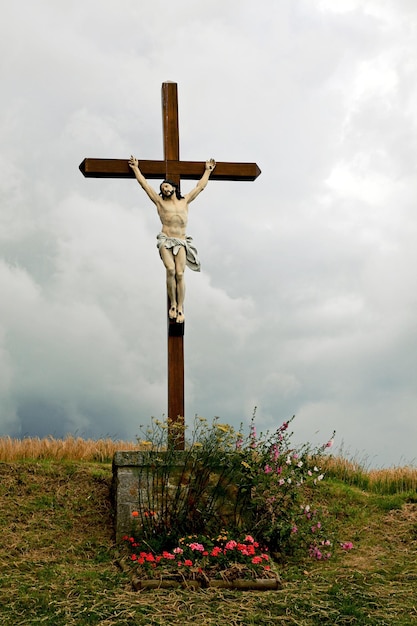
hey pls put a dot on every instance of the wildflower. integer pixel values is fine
(330, 443)
(178, 550)
(281, 482)
(231, 545)
(267, 469)
(300, 464)
(135, 514)
(294, 529)
(188, 563)
(249, 539)
(346, 545)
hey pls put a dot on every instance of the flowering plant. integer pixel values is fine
(280, 482)
(202, 558)
(262, 486)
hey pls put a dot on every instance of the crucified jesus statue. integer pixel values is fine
(175, 247)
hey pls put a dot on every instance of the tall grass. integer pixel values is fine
(70, 448)
(384, 481)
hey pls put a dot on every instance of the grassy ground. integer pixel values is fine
(58, 561)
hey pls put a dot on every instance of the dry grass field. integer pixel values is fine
(58, 561)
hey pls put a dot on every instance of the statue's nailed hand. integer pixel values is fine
(133, 162)
(210, 165)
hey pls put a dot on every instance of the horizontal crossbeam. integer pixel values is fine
(187, 170)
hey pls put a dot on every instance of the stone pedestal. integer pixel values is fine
(130, 484)
(176, 485)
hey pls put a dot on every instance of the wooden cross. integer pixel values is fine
(173, 169)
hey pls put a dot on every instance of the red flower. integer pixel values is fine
(188, 562)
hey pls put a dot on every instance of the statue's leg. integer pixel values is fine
(180, 260)
(169, 262)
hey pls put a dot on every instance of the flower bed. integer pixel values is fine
(260, 488)
(203, 562)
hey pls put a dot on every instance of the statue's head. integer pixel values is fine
(167, 188)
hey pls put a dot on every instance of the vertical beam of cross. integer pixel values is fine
(176, 403)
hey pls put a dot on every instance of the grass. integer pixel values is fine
(58, 560)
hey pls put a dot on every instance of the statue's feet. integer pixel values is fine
(180, 317)
(172, 313)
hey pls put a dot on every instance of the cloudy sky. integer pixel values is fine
(307, 299)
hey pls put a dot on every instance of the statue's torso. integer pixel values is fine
(173, 214)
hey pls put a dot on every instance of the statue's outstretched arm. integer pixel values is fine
(134, 166)
(210, 165)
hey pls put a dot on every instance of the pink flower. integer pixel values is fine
(330, 443)
(197, 547)
(268, 469)
(256, 560)
(347, 545)
(188, 563)
(294, 529)
(231, 545)
(178, 550)
(250, 539)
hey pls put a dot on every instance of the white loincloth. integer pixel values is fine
(174, 244)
